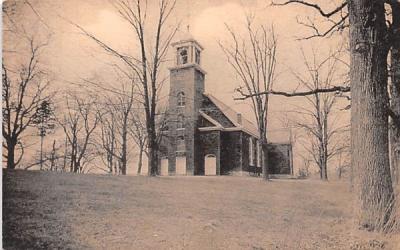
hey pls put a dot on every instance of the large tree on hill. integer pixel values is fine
(395, 92)
(153, 47)
(372, 35)
(24, 87)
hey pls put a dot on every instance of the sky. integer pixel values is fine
(71, 56)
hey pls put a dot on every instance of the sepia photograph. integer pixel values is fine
(201, 124)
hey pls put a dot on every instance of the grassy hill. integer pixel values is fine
(44, 210)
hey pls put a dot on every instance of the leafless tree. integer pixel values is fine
(373, 34)
(339, 18)
(322, 140)
(79, 123)
(253, 58)
(115, 118)
(138, 133)
(24, 88)
(108, 141)
(145, 67)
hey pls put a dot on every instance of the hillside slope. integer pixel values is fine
(44, 210)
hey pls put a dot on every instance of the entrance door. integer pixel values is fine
(180, 165)
(164, 166)
(210, 165)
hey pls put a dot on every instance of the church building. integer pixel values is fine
(203, 135)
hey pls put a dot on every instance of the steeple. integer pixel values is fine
(188, 52)
(185, 100)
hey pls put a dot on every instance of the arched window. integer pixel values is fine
(182, 55)
(180, 144)
(181, 99)
(180, 122)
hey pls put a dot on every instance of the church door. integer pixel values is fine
(180, 165)
(210, 165)
(164, 166)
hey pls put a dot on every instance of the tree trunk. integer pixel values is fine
(65, 154)
(77, 167)
(139, 169)
(41, 152)
(153, 156)
(324, 161)
(265, 167)
(325, 142)
(324, 174)
(11, 153)
(124, 150)
(395, 93)
(369, 123)
(53, 157)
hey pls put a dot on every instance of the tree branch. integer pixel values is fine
(314, 6)
(337, 89)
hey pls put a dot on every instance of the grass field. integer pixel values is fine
(44, 210)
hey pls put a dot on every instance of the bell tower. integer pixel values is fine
(185, 98)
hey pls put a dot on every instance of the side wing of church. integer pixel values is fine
(204, 136)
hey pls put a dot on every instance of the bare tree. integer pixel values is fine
(24, 89)
(339, 18)
(138, 133)
(253, 58)
(146, 67)
(79, 123)
(108, 141)
(322, 140)
(116, 123)
(372, 35)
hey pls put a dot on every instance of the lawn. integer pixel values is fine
(44, 210)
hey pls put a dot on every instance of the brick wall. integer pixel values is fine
(191, 81)
(208, 143)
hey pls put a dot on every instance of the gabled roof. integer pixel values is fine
(246, 126)
(210, 119)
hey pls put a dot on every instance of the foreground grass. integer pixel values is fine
(43, 210)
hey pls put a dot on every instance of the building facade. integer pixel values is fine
(204, 136)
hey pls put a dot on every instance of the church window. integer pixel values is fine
(180, 144)
(182, 55)
(181, 99)
(181, 122)
(197, 56)
(251, 152)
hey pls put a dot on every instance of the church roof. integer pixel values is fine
(245, 125)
